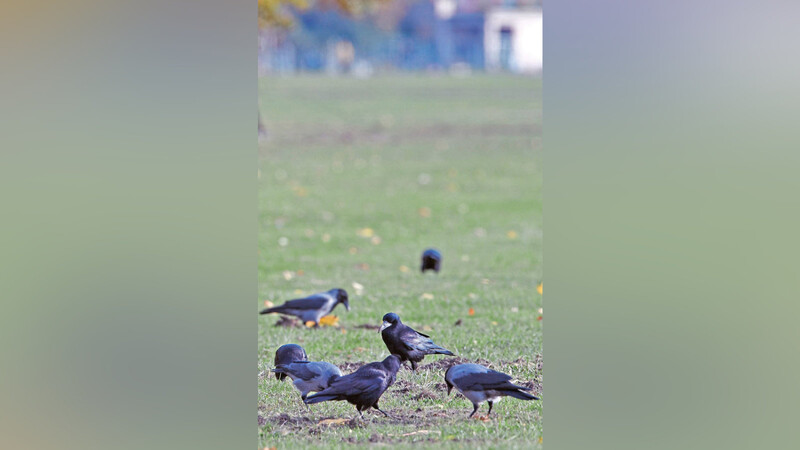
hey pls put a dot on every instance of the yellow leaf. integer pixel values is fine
(494, 323)
(424, 212)
(426, 328)
(333, 421)
(268, 304)
(472, 311)
(287, 275)
(376, 240)
(426, 296)
(326, 237)
(539, 288)
(404, 269)
(511, 234)
(365, 232)
(310, 323)
(329, 321)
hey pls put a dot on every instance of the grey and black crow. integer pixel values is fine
(363, 387)
(309, 376)
(480, 384)
(286, 354)
(407, 343)
(431, 260)
(313, 307)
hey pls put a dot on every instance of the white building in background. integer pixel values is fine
(513, 40)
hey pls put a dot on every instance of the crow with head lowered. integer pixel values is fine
(313, 307)
(407, 343)
(286, 354)
(480, 384)
(362, 388)
(309, 376)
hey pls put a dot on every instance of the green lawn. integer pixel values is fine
(452, 163)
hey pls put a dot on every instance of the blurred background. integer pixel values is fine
(362, 37)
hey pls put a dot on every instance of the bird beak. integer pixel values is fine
(347, 307)
(384, 326)
(449, 388)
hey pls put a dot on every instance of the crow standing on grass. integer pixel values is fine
(480, 384)
(286, 354)
(407, 343)
(363, 387)
(309, 375)
(313, 307)
(431, 260)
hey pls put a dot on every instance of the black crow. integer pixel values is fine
(287, 354)
(309, 375)
(313, 307)
(407, 343)
(363, 387)
(431, 260)
(480, 384)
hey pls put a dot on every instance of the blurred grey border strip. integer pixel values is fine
(128, 193)
(671, 201)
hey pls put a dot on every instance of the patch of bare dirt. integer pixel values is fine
(289, 322)
(368, 326)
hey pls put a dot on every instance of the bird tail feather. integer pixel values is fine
(522, 395)
(271, 310)
(442, 351)
(314, 398)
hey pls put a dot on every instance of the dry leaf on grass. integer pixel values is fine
(471, 311)
(539, 288)
(426, 296)
(268, 304)
(333, 421)
(329, 321)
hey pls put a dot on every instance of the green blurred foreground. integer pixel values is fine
(356, 179)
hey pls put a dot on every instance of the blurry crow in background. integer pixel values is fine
(431, 260)
(313, 307)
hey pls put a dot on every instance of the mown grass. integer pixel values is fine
(447, 162)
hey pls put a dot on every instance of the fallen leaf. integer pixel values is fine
(300, 273)
(539, 318)
(326, 237)
(471, 311)
(362, 266)
(287, 275)
(333, 421)
(424, 212)
(268, 304)
(494, 323)
(376, 240)
(299, 292)
(540, 310)
(329, 321)
(514, 309)
(310, 323)
(539, 288)
(353, 250)
(300, 191)
(511, 234)
(365, 232)
(486, 281)
(426, 328)
(426, 296)
(344, 331)
(540, 439)
(404, 269)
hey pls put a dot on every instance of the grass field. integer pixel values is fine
(358, 177)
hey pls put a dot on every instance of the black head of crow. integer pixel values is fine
(480, 384)
(313, 307)
(407, 343)
(431, 260)
(362, 388)
(287, 354)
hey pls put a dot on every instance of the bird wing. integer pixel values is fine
(357, 383)
(304, 370)
(484, 381)
(313, 302)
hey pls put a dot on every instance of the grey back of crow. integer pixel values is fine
(286, 354)
(362, 388)
(407, 343)
(309, 376)
(480, 384)
(313, 307)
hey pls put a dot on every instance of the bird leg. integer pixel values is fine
(490, 409)
(475, 409)
(413, 366)
(384, 412)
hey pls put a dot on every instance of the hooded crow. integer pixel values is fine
(431, 260)
(363, 387)
(480, 384)
(287, 354)
(313, 307)
(407, 343)
(309, 375)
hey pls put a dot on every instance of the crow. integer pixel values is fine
(362, 388)
(313, 307)
(480, 384)
(309, 375)
(431, 260)
(287, 354)
(407, 343)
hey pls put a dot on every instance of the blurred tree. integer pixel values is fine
(272, 13)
